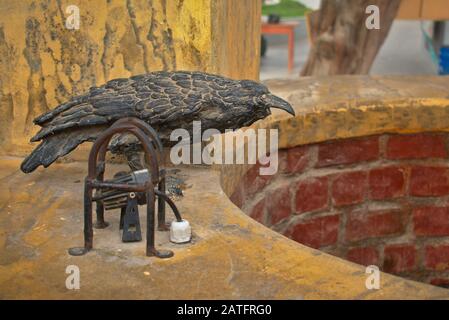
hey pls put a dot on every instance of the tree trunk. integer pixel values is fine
(341, 42)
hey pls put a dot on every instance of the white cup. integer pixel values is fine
(180, 232)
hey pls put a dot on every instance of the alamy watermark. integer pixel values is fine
(372, 282)
(72, 21)
(373, 20)
(72, 282)
(233, 147)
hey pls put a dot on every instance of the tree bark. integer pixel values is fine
(341, 43)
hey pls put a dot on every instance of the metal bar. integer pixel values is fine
(88, 231)
(121, 186)
(151, 250)
(170, 203)
(145, 127)
(161, 226)
(116, 206)
(100, 223)
(109, 195)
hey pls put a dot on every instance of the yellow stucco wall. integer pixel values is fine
(42, 63)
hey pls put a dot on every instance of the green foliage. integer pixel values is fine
(286, 8)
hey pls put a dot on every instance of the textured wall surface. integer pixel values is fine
(42, 63)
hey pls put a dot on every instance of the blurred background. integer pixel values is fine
(414, 45)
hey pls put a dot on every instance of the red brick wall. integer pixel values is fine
(380, 200)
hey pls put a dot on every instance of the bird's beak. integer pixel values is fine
(272, 101)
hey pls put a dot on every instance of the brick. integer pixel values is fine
(278, 206)
(297, 159)
(258, 211)
(431, 221)
(238, 196)
(362, 225)
(416, 146)
(399, 258)
(440, 282)
(437, 257)
(365, 256)
(429, 181)
(253, 182)
(348, 151)
(317, 232)
(385, 183)
(311, 195)
(282, 159)
(349, 188)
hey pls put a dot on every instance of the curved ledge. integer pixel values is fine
(352, 106)
(232, 256)
(339, 107)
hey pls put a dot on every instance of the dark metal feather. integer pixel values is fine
(165, 100)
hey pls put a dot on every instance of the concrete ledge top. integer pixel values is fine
(231, 256)
(351, 106)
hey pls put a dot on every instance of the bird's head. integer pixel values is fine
(261, 100)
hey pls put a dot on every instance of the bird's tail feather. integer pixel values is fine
(58, 145)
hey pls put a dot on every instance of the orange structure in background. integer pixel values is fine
(287, 28)
(423, 10)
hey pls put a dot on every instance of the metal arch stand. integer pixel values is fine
(155, 186)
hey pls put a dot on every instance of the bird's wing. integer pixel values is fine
(162, 99)
(158, 98)
(81, 119)
(100, 106)
(55, 146)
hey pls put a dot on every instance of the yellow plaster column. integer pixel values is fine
(43, 63)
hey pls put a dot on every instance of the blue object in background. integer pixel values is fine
(444, 61)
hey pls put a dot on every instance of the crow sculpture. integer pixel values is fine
(165, 100)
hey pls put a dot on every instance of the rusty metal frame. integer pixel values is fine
(152, 147)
